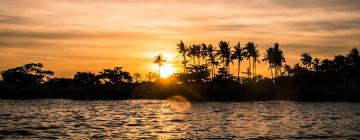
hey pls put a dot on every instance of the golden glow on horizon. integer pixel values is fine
(69, 36)
(167, 70)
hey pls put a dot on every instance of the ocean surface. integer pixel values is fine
(177, 119)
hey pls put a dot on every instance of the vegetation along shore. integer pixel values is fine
(205, 76)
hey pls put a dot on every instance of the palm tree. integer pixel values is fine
(255, 56)
(279, 59)
(213, 62)
(192, 52)
(316, 64)
(306, 60)
(269, 58)
(211, 59)
(238, 54)
(204, 52)
(183, 50)
(252, 52)
(288, 69)
(249, 50)
(354, 58)
(225, 54)
(198, 52)
(159, 59)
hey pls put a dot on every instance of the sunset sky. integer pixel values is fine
(88, 35)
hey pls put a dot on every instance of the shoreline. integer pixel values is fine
(194, 93)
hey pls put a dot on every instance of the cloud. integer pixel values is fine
(10, 19)
(16, 34)
(135, 27)
(326, 25)
(320, 4)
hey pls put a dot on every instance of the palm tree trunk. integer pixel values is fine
(212, 71)
(159, 72)
(275, 74)
(272, 76)
(184, 63)
(238, 72)
(185, 67)
(253, 68)
(249, 68)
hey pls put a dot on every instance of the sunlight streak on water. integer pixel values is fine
(177, 118)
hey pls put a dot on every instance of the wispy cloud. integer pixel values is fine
(135, 28)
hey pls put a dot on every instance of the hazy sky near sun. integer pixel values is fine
(88, 35)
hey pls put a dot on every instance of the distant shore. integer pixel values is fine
(206, 77)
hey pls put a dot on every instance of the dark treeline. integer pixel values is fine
(206, 76)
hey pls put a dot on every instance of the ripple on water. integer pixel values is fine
(135, 124)
(156, 119)
(18, 132)
(177, 120)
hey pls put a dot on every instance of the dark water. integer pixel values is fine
(152, 119)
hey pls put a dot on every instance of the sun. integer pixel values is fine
(167, 70)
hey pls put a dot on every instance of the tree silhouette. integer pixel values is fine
(326, 66)
(198, 73)
(28, 74)
(316, 64)
(150, 76)
(115, 76)
(238, 54)
(86, 79)
(270, 59)
(225, 55)
(198, 53)
(306, 60)
(354, 59)
(288, 70)
(212, 60)
(192, 53)
(159, 59)
(279, 59)
(137, 77)
(183, 50)
(252, 52)
(340, 63)
(249, 48)
(204, 52)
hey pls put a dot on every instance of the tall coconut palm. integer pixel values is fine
(204, 52)
(211, 59)
(238, 54)
(269, 58)
(213, 63)
(225, 54)
(183, 50)
(192, 53)
(198, 53)
(252, 52)
(306, 60)
(255, 56)
(279, 59)
(159, 59)
(249, 51)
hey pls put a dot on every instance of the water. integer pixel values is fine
(133, 119)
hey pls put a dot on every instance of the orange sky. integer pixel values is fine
(86, 35)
